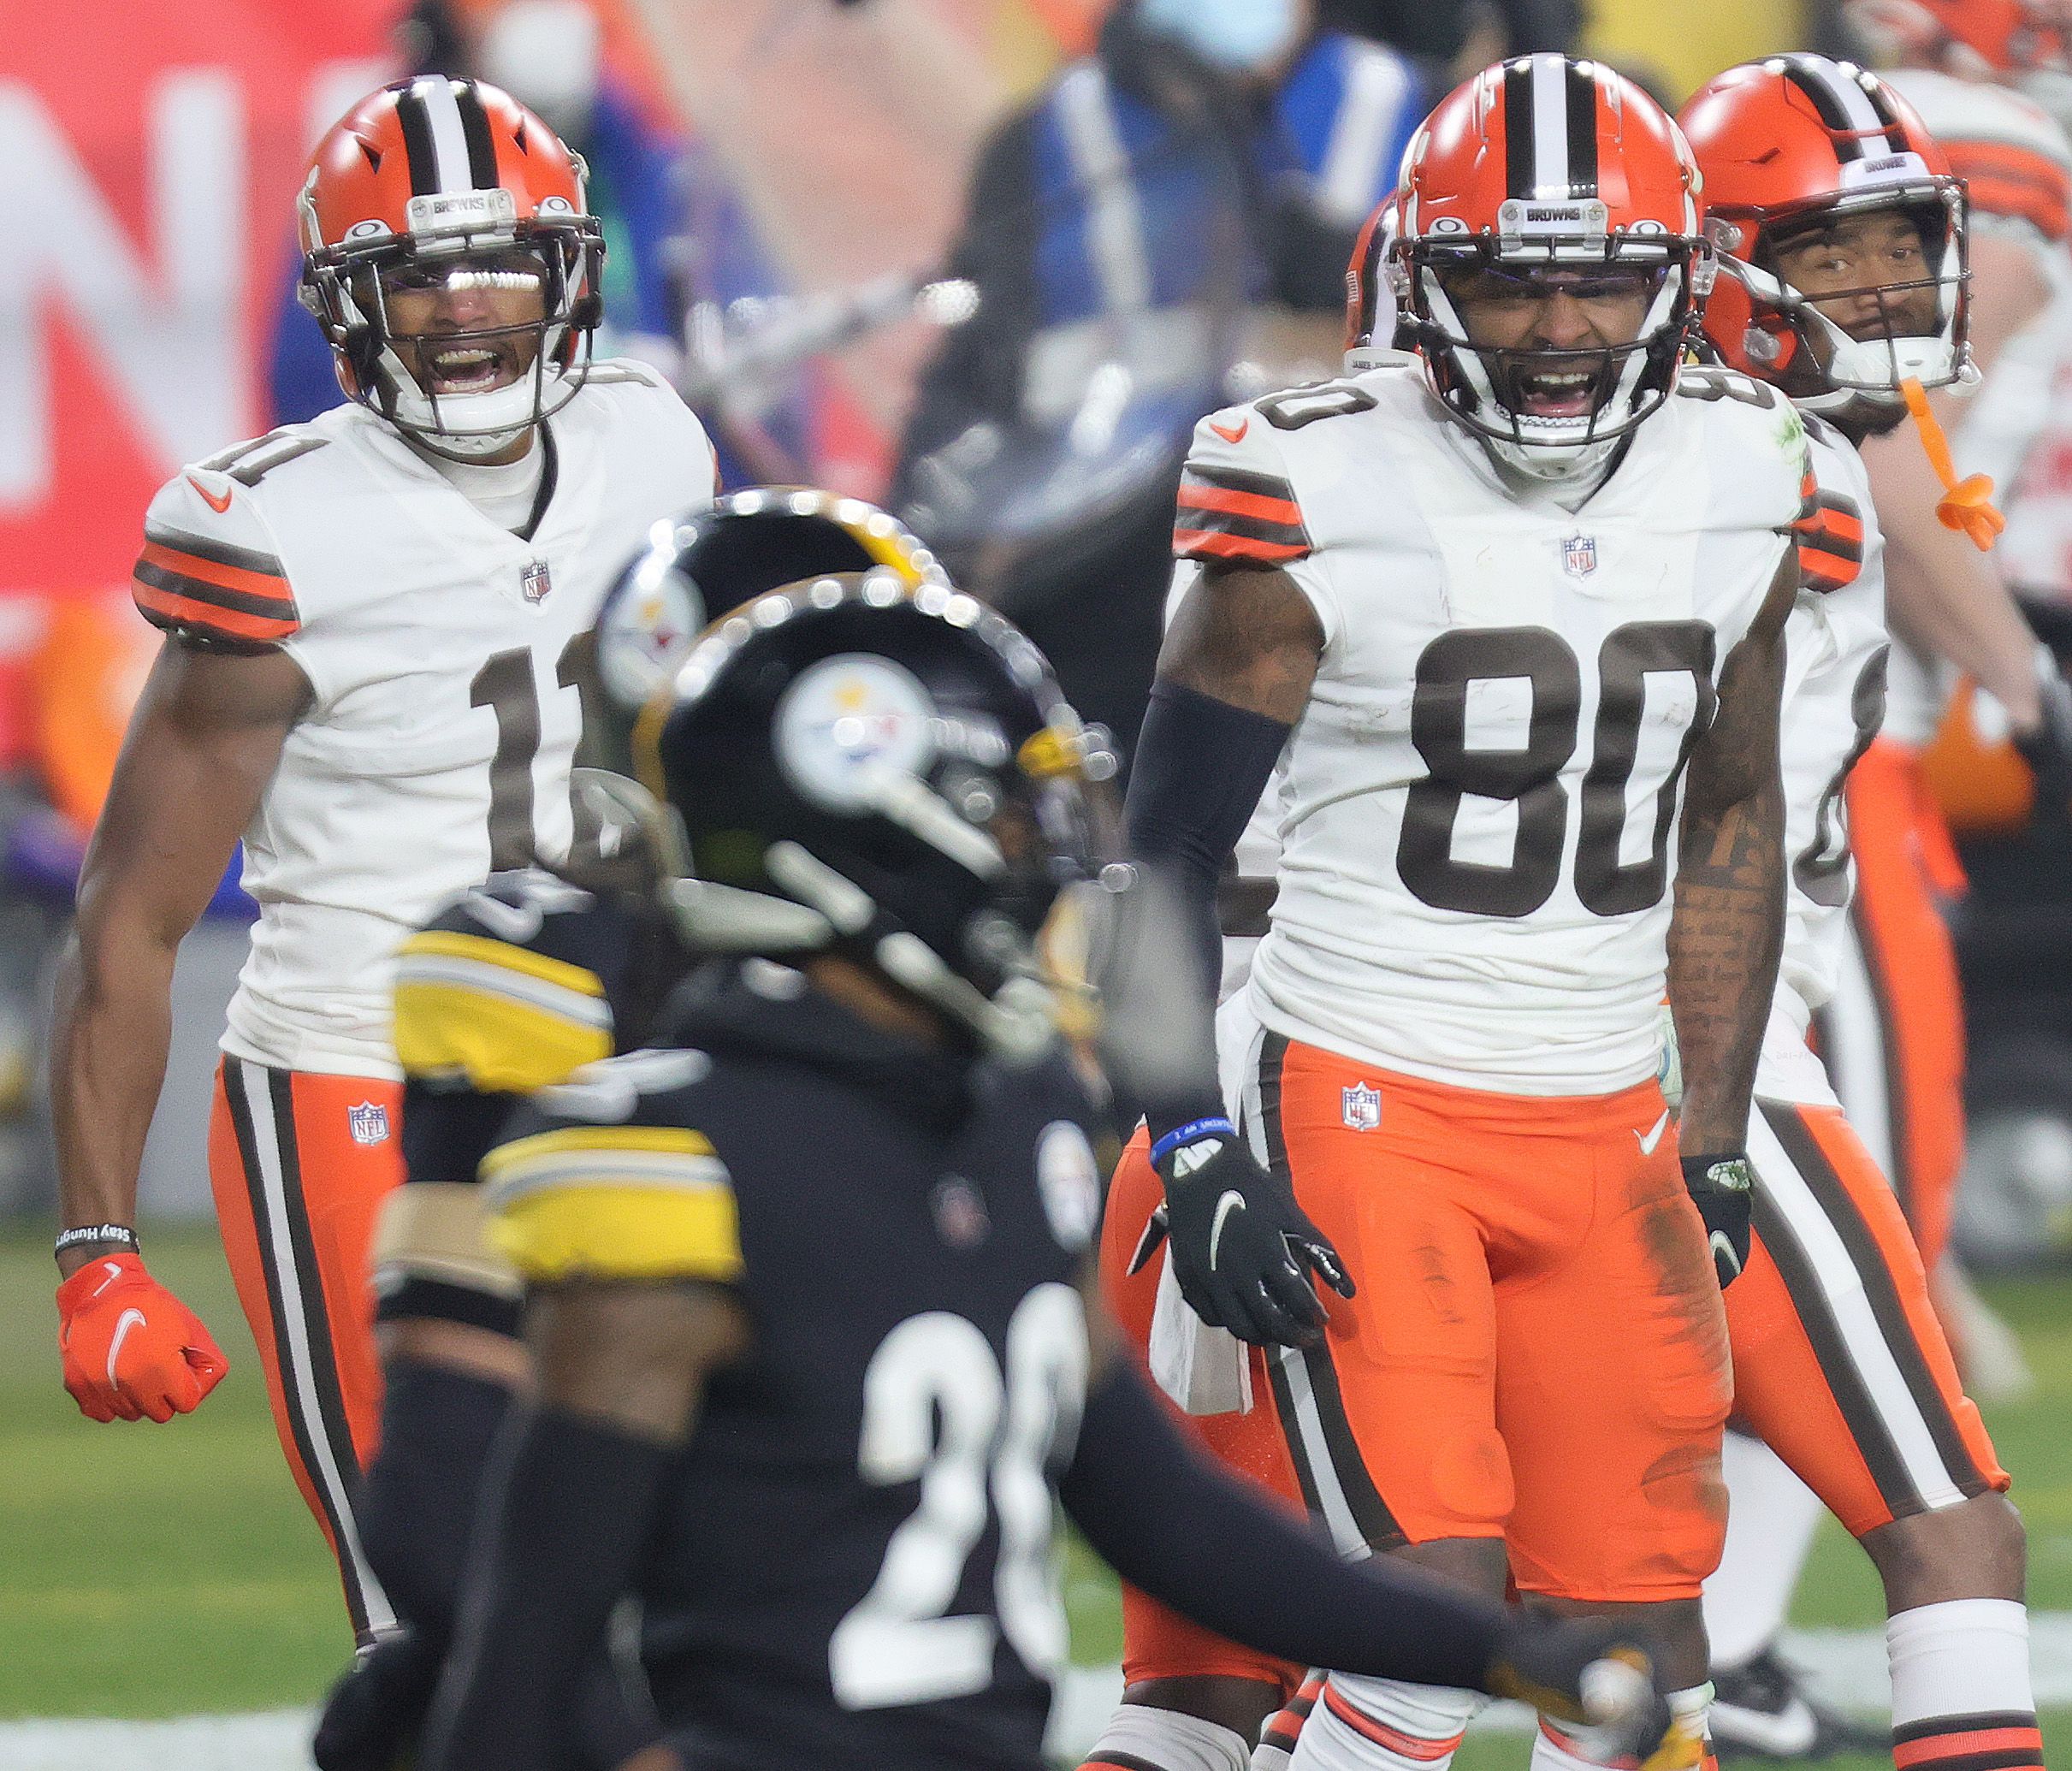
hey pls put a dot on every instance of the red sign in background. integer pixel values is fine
(152, 157)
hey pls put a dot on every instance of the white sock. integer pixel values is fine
(1169, 1739)
(1362, 1724)
(1770, 1521)
(1959, 1663)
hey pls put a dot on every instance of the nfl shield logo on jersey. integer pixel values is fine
(535, 582)
(1363, 1107)
(1579, 555)
(369, 1122)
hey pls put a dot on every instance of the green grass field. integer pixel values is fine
(149, 1571)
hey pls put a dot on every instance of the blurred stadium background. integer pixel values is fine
(784, 183)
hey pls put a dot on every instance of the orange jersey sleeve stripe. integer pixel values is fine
(1205, 543)
(1194, 496)
(167, 606)
(259, 593)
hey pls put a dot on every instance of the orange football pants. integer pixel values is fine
(1840, 1366)
(1893, 1039)
(1537, 1351)
(300, 1165)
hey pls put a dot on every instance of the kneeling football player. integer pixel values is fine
(808, 1278)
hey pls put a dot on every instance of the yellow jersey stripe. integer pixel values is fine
(484, 950)
(622, 1232)
(497, 1045)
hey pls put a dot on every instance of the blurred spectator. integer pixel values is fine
(1441, 30)
(1163, 229)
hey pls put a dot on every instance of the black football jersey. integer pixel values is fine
(854, 1564)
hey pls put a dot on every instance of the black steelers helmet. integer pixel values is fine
(694, 569)
(887, 770)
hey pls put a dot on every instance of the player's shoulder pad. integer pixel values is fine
(209, 571)
(610, 1174)
(1755, 439)
(621, 395)
(504, 991)
(1235, 501)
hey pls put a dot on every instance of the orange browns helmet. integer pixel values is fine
(1792, 142)
(436, 183)
(1372, 297)
(1539, 166)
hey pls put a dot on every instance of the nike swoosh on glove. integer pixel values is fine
(1243, 1250)
(131, 1350)
(1588, 1670)
(1723, 1187)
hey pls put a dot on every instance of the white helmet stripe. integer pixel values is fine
(1550, 169)
(1843, 104)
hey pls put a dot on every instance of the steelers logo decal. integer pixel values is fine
(646, 633)
(1069, 1180)
(847, 723)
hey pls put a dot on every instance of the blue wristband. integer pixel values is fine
(1215, 1126)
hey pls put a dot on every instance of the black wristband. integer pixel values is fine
(97, 1235)
(1728, 1171)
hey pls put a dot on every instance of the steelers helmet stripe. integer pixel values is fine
(481, 145)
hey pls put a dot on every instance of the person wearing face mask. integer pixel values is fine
(1179, 201)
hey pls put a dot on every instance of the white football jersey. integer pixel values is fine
(1836, 653)
(441, 652)
(1478, 804)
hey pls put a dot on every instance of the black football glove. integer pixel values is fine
(1243, 1250)
(1586, 1670)
(372, 1719)
(1723, 1187)
(2048, 748)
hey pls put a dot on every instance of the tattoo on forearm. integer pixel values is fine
(1727, 933)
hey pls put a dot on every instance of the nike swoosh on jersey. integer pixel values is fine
(1647, 1143)
(1231, 1201)
(218, 504)
(128, 1320)
(1228, 436)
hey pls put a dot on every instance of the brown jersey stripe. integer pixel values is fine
(1206, 544)
(185, 614)
(245, 592)
(1190, 518)
(1238, 479)
(217, 553)
(258, 593)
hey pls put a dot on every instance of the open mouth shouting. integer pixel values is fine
(467, 365)
(1551, 393)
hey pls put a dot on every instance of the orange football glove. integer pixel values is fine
(131, 1350)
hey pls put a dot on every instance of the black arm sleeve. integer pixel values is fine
(566, 1521)
(1169, 1522)
(1201, 767)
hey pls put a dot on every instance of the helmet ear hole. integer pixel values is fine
(1770, 347)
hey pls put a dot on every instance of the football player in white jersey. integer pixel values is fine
(375, 625)
(1841, 231)
(1474, 615)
